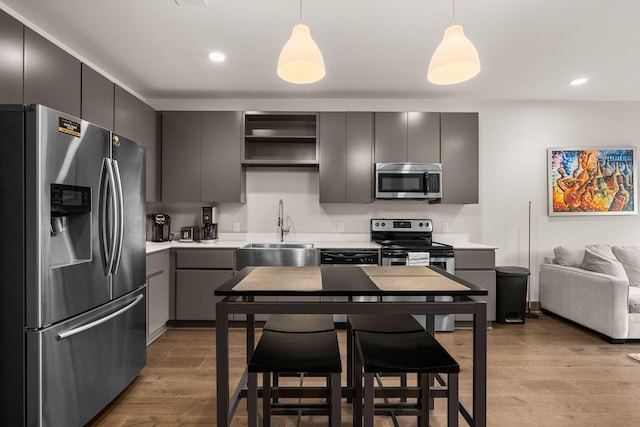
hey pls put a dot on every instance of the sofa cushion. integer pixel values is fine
(572, 256)
(629, 256)
(569, 255)
(634, 299)
(602, 264)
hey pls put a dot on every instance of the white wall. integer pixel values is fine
(514, 137)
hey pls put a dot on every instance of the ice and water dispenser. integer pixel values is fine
(70, 224)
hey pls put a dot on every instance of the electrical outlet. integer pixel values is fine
(236, 227)
(445, 227)
(341, 227)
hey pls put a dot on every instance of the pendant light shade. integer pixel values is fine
(300, 60)
(455, 60)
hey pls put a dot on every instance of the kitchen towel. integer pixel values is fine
(417, 258)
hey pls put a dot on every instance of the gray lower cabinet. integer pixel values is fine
(11, 72)
(346, 157)
(199, 272)
(407, 137)
(459, 155)
(97, 98)
(52, 77)
(201, 156)
(158, 282)
(478, 267)
(195, 299)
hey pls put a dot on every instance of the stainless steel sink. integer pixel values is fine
(278, 254)
(278, 246)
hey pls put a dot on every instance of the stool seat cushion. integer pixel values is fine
(392, 323)
(315, 352)
(407, 352)
(297, 323)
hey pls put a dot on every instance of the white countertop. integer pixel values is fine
(320, 241)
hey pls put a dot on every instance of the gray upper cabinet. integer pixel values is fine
(459, 157)
(222, 177)
(359, 157)
(181, 142)
(11, 50)
(346, 157)
(407, 137)
(391, 137)
(423, 137)
(97, 98)
(52, 77)
(333, 157)
(201, 156)
(137, 121)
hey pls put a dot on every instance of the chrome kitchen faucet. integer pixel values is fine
(281, 227)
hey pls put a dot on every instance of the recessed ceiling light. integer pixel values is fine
(579, 82)
(217, 56)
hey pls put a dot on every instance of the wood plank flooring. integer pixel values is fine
(544, 373)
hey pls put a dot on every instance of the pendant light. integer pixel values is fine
(300, 60)
(456, 59)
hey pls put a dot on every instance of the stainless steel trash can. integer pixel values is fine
(511, 294)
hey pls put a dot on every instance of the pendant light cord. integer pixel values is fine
(453, 13)
(301, 11)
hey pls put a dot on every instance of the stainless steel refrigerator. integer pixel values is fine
(72, 265)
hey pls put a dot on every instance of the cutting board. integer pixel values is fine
(417, 283)
(282, 279)
(398, 270)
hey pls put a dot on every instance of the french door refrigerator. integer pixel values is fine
(72, 264)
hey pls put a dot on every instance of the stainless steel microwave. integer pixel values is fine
(408, 181)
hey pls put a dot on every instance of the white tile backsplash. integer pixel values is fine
(299, 190)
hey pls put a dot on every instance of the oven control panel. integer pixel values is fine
(402, 225)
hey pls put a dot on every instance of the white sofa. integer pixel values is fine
(596, 286)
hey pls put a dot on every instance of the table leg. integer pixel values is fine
(480, 365)
(222, 364)
(251, 332)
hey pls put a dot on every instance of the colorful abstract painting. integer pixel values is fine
(592, 181)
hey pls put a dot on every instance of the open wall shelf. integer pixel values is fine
(280, 139)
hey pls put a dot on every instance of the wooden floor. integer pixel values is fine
(544, 373)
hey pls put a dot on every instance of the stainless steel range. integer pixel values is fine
(410, 242)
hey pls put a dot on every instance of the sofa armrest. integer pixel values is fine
(597, 301)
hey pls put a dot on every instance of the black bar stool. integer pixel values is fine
(409, 352)
(299, 323)
(388, 324)
(280, 352)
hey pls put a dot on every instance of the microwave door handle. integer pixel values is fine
(425, 177)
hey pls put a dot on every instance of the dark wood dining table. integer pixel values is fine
(303, 288)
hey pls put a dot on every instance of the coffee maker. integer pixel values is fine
(210, 226)
(158, 227)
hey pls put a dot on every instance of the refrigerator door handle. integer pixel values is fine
(116, 218)
(107, 235)
(120, 215)
(70, 332)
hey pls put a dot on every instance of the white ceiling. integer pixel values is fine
(529, 49)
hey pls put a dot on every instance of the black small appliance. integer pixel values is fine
(158, 227)
(209, 227)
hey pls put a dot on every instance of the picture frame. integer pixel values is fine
(592, 181)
